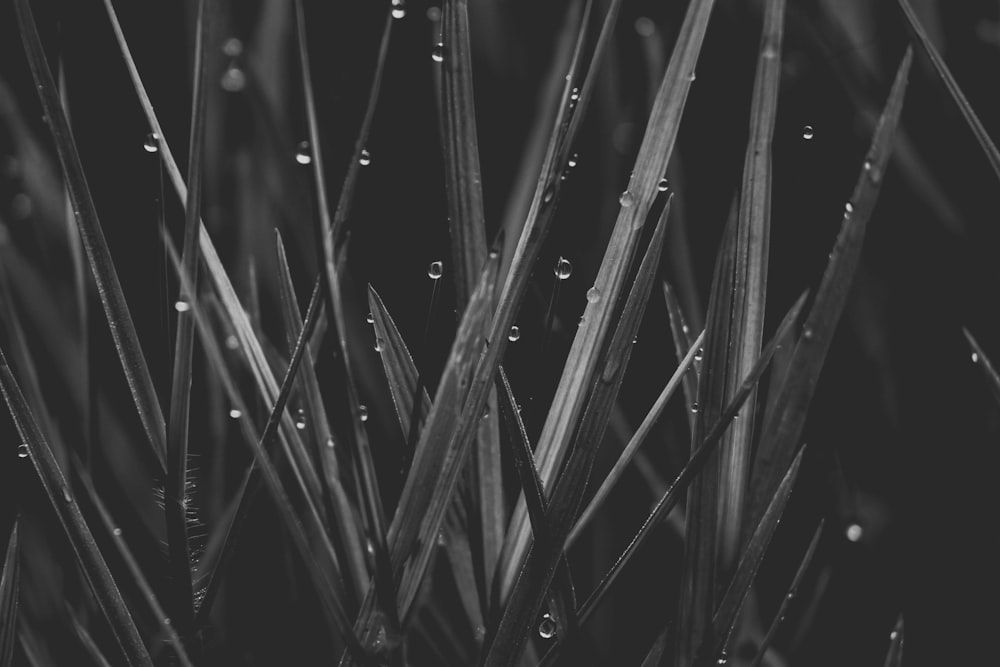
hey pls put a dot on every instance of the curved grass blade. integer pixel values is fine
(581, 364)
(10, 579)
(175, 489)
(681, 374)
(783, 426)
(96, 571)
(532, 585)
(793, 588)
(894, 658)
(724, 621)
(112, 298)
(927, 46)
(980, 358)
(683, 341)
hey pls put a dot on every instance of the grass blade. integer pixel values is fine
(656, 652)
(112, 298)
(980, 358)
(89, 645)
(789, 596)
(683, 341)
(10, 579)
(927, 47)
(529, 592)
(175, 489)
(651, 162)
(96, 571)
(783, 426)
(682, 373)
(724, 621)
(894, 658)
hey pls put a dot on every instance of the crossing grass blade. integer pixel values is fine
(793, 589)
(581, 364)
(981, 360)
(894, 657)
(506, 644)
(783, 425)
(683, 341)
(655, 653)
(10, 580)
(926, 46)
(95, 569)
(112, 298)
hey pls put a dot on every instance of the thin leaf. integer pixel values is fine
(95, 570)
(529, 592)
(789, 596)
(10, 580)
(683, 341)
(894, 657)
(927, 46)
(581, 364)
(657, 650)
(724, 621)
(979, 358)
(783, 426)
(112, 298)
(682, 373)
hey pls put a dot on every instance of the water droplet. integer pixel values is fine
(694, 407)
(370, 319)
(635, 340)
(232, 343)
(379, 344)
(363, 413)
(574, 159)
(67, 496)
(848, 208)
(182, 306)
(563, 269)
(547, 628)
(663, 185)
(329, 443)
(692, 76)
(303, 153)
(435, 270)
(152, 144)
(486, 412)
(854, 532)
(233, 79)
(22, 450)
(398, 9)
(365, 158)
(574, 95)
(723, 659)
(685, 328)
(893, 635)
(437, 54)
(807, 333)
(644, 26)
(441, 539)
(166, 621)
(699, 354)
(808, 132)
(235, 414)
(515, 334)
(868, 165)
(593, 295)
(626, 199)
(580, 321)
(480, 633)
(117, 532)
(232, 47)
(300, 419)
(975, 357)
(434, 14)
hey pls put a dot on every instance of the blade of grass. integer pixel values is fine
(10, 580)
(175, 489)
(506, 644)
(109, 288)
(724, 621)
(95, 570)
(783, 426)
(927, 47)
(894, 657)
(581, 364)
(89, 645)
(656, 652)
(793, 588)
(683, 341)
(980, 359)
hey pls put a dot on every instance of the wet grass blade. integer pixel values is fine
(112, 298)
(981, 360)
(928, 49)
(531, 588)
(724, 621)
(683, 341)
(640, 435)
(581, 364)
(10, 579)
(95, 569)
(783, 426)
(793, 589)
(175, 488)
(894, 657)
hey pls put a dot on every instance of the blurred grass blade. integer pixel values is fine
(112, 298)
(724, 621)
(655, 654)
(927, 46)
(894, 658)
(10, 579)
(581, 364)
(89, 645)
(175, 488)
(351, 550)
(96, 571)
(793, 589)
(683, 341)
(783, 425)
(980, 359)
(507, 643)
(682, 372)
